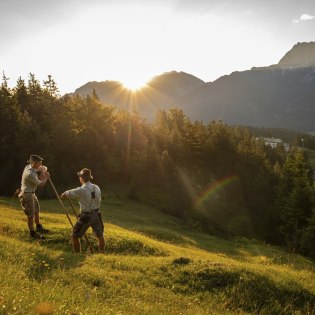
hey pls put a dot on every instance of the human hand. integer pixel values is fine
(44, 176)
(43, 168)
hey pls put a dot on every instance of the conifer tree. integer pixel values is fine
(295, 199)
(10, 126)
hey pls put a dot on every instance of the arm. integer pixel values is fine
(72, 194)
(98, 195)
(33, 178)
(43, 176)
(44, 180)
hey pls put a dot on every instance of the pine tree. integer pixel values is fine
(308, 238)
(295, 199)
(10, 126)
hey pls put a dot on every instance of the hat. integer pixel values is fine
(35, 158)
(85, 173)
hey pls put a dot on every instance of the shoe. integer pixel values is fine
(35, 235)
(40, 229)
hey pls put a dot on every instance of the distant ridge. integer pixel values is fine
(175, 84)
(159, 93)
(276, 96)
(301, 55)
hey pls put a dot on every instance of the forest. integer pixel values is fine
(217, 178)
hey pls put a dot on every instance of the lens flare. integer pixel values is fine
(214, 188)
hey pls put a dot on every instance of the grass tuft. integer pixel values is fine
(181, 261)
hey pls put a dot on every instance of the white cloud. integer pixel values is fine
(303, 17)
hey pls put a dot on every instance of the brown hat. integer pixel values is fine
(85, 173)
(34, 158)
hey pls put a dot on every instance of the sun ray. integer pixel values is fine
(134, 84)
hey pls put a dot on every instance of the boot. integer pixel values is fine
(40, 229)
(35, 235)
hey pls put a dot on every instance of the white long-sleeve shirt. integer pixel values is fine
(30, 180)
(83, 193)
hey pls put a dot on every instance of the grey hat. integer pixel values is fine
(34, 158)
(85, 173)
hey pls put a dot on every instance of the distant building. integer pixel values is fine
(273, 142)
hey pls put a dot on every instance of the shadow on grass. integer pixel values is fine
(44, 265)
(60, 240)
(241, 289)
(128, 246)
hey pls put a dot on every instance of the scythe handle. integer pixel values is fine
(62, 205)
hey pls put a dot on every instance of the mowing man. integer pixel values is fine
(34, 175)
(89, 196)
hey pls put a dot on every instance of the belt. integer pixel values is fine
(29, 192)
(89, 211)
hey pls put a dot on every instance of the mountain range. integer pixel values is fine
(280, 95)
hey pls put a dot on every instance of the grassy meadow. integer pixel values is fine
(154, 264)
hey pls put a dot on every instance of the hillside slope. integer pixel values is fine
(154, 264)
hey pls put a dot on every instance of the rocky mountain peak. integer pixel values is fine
(301, 55)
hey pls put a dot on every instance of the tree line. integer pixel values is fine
(295, 138)
(215, 177)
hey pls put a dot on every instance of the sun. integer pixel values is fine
(134, 84)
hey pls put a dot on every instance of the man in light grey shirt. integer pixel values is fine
(89, 196)
(34, 175)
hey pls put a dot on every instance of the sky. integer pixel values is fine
(131, 41)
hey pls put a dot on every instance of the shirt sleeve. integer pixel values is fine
(32, 177)
(98, 195)
(74, 193)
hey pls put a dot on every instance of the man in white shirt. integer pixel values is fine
(34, 175)
(89, 196)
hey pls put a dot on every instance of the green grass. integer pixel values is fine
(154, 264)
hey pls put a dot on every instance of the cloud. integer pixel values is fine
(303, 17)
